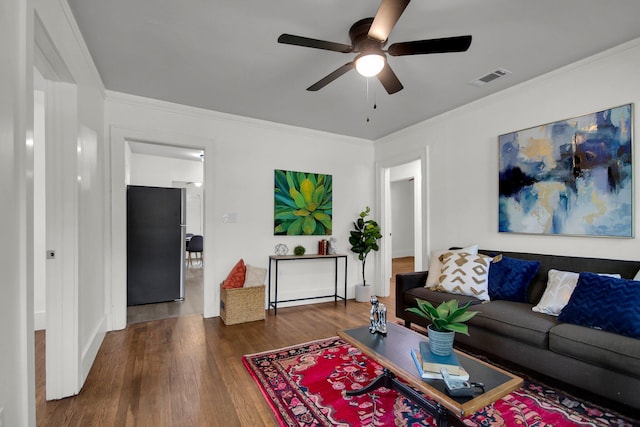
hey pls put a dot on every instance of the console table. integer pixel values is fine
(279, 258)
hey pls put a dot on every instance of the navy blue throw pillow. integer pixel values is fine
(605, 303)
(509, 278)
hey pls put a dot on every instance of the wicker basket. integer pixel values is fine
(241, 305)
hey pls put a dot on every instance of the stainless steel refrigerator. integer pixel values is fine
(155, 244)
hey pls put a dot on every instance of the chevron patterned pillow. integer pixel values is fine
(435, 266)
(605, 303)
(463, 273)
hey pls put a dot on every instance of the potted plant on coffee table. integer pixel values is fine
(447, 319)
(364, 239)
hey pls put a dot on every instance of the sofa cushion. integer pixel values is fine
(605, 303)
(516, 321)
(435, 297)
(465, 274)
(600, 348)
(435, 266)
(509, 278)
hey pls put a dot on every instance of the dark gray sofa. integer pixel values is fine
(600, 362)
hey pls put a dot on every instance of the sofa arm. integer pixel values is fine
(404, 282)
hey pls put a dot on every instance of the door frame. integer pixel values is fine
(383, 203)
(116, 298)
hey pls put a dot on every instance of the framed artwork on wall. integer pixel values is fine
(571, 177)
(303, 203)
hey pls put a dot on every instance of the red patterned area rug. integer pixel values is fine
(303, 385)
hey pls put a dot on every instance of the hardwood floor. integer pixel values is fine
(188, 371)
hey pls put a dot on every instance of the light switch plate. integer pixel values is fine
(230, 217)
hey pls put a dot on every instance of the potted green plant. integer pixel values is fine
(447, 319)
(364, 239)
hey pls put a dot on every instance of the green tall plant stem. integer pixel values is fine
(364, 238)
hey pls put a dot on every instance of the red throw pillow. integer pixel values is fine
(235, 279)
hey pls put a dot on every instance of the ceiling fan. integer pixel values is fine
(368, 37)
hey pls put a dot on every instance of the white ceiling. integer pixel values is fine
(223, 55)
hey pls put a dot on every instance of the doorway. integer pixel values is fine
(402, 223)
(404, 176)
(170, 166)
(121, 139)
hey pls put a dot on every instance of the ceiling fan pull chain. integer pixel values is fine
(367, 80)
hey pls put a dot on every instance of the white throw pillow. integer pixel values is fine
(255, 276)
(637, 276)
(560, 286)
(465, 274)
(435, 266)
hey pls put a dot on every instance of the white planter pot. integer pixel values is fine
(363, 293)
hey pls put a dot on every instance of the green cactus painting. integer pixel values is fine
(302, 204)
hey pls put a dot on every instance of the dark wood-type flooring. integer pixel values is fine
(188, 371)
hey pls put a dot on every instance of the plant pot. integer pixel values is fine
(440, 343)
(363, 293)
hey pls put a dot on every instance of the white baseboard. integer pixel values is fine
(90, 351)
(39, 320)
(402, 253)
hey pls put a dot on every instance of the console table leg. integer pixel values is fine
(335, 282)
(275, 298)
(269, 288)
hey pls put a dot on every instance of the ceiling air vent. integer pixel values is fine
(487, 78)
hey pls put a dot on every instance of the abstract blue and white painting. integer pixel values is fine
(572, 177)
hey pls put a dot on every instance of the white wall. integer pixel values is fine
(158, 171)
(17, 393)
(404, 194)
(402, 218)
(463, 157)
(240, 158)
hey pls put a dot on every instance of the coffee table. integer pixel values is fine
(393, 353)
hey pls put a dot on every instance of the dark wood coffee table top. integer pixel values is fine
(394, 353)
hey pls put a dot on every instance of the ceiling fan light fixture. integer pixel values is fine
(370, 64)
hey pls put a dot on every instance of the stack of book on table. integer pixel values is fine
(429, 364)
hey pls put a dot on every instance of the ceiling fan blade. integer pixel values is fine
(331, 77)
(389, 80)
(421, 47)
(314, 43)
(386, 17)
